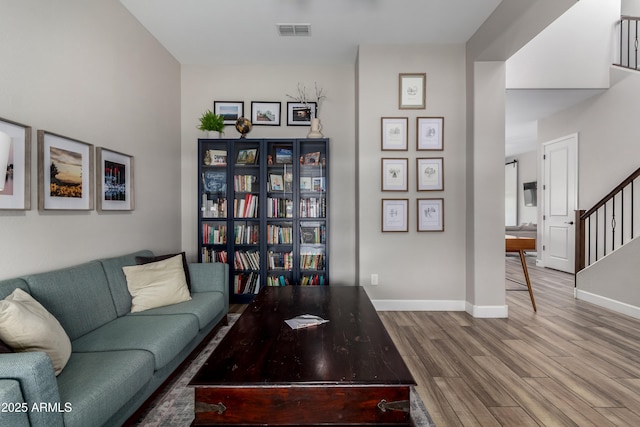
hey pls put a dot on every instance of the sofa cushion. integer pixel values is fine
(97, 385)
(185, 265)
(78, 297)
(26, 325)
(162, 336)
(117, 280)
(203, 305)
(157, 284)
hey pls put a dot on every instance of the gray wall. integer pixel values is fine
(89, 71)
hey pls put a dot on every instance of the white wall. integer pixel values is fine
(413, 266)
(574, 51)
(89, 71)
(202, 85)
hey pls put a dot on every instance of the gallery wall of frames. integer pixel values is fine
(71, 175)
(428, 161)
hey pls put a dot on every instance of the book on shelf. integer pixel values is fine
(313, 280)
(281, 280)
(280, 260)
(312, 261)
(245, 183)
(246, 234)
(209, 255)
(214, 207)
(279, 234)
(248, 283)
(313, 207)
(318, 184)
(246, 260)
(246, 207)
(278, 207)
(215, 234)
(312, 233)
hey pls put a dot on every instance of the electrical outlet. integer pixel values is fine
(374, 279)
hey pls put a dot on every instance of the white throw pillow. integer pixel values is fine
(157, 284)
(25, 325)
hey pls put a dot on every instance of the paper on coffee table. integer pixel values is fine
(305, 321)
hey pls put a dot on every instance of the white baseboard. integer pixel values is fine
(608, 303)
(441, 305)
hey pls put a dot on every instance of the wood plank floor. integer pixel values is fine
(569, 364)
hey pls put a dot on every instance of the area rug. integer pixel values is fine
(173, 407)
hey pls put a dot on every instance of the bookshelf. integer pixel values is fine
(263, 209)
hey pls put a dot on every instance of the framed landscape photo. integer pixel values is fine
(430, 133)
(247, 156)
(115, 178)
(65, 173)
(431, 214)
(300, 114)
(394, 133)
(283, 154)
(230, 110)
(394, 174)
(430, 173)
(265, 113)
(395, 215)
(412, 91)
(16, 192)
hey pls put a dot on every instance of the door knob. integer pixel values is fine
(570, 222)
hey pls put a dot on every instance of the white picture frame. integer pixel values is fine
(394, 174)
(395, 215)
(430, 173)
(16, 194)
(430, 134)
(394, 133)
(430, 216)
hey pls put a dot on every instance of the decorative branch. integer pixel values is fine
(303, 98)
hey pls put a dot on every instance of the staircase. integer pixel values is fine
(608, 249)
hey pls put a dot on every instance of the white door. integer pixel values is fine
(560, 192)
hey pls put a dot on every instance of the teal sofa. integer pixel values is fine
(118, 358)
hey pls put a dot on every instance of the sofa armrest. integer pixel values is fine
(209, 277)
(34, 372)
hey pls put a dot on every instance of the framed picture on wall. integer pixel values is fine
(430, 173)
(230, 110)
(265, 113)
(431, 214)
(65, 173)
(412, 91)
(394, 133)
(394, 174)
(430, 133)
(15, 193)
(300, 114)
(115, 178)
(395, 215)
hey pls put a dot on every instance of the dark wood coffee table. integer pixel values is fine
(345, 372)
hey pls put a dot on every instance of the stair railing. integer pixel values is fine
(609, 224)
(629, 33)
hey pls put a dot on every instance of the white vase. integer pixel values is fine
(213, 134)
(316, 127)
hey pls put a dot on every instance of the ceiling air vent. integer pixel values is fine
(294, 30)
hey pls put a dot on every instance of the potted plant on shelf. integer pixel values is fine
(212, 123)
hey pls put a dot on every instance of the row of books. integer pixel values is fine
(246, 260)
(279, 207)
(246, 283)
(212, 255)
(246, 234)
(312, 261)
(279, 234)
(280, 260)
(213, 208)
(214, 234)
(313, 280)
(277, 281)
(245, 183)
(313, 207)
(246, 207)
(312, 232)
